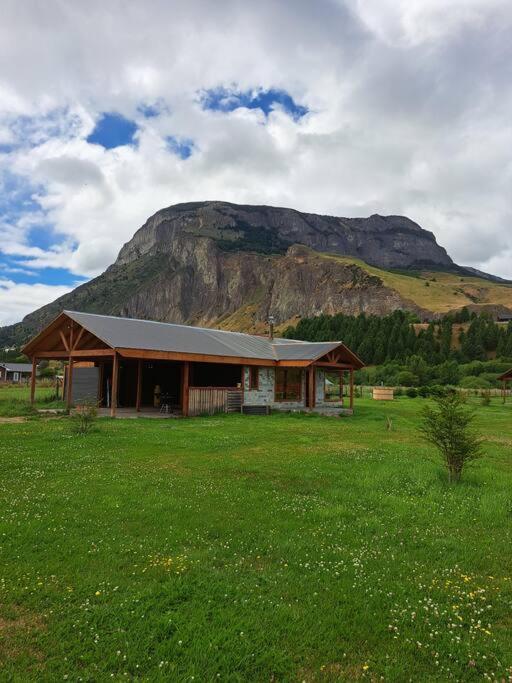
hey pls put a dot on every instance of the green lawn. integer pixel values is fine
(287, 548)
(14, 400)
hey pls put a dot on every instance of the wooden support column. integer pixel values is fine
(185, 374)
(69, 384)
(311, 386)
(115, 378)
(341, 388)
(101, 378)
(139, 385)
(33, 380)
(351, 388)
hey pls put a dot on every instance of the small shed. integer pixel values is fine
(15, 372)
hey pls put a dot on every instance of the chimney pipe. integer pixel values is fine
(271, 326)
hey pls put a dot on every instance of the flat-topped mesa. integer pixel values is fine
(385, 241)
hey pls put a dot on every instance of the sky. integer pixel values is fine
(110, 111)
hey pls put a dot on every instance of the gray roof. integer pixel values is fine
(157, 336)
(17, 367)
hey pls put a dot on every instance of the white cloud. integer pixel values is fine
(18, 299)
(410, 110)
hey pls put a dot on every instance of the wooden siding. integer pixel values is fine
(210, 400)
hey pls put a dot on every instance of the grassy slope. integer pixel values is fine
(449, 291)
(284, 548)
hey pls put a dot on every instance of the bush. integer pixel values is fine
(398, 391)
(84, 417)
(424, 392)
(485, 397)
(411, 392)
(474, 383)
(438, 390)
(447, 426)
(407, 379)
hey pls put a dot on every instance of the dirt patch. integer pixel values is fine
(16, 633)
(13, 420)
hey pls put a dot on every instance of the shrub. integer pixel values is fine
(448, 426)
(84, 417)
(438, 390)
(411, 392)
(474, 383)
(398, 391)
(424, 392)
(485, 399)
(407, 379)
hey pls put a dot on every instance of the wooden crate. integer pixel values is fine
(383, 394)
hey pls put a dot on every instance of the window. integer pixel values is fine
(16, 377)
(288, 384)
(254, 377)
(333, 387)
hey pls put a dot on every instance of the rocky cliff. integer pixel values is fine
(219, 264)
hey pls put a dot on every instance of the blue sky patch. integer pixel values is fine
(153, 109)
(225, 99)
(182, 147)
(113, 130)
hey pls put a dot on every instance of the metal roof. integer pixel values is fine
(17, 367)
(304, 351)
(157, 336)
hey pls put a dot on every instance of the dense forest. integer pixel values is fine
(462, 348)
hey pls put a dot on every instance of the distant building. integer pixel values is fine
(15, 372)
(504, 317)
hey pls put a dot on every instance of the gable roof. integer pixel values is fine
(17, 367)
(506, 375)
(150, 335)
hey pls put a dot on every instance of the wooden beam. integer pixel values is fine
(79, 353)
(101, 378)
(33, 380)
(311, 387)
(340, 366)
(64, 340)
(195, 357)
(351, 389)
(185, 371)
(139, 385)
(69, 388)
(115, 378)
(79, 336)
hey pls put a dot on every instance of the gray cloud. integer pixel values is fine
(410, 110)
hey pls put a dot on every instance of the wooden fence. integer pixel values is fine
(210, 400)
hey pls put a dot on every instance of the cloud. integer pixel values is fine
(330, 107)
(19, 299)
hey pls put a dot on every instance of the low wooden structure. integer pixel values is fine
(383, 393)
(191, 370)
(505, 379)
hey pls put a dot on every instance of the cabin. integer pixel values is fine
(124, 364)
(15, 372)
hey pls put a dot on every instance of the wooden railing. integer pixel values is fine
(210, 400)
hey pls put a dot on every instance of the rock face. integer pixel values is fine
(219, 264)
(384, 241)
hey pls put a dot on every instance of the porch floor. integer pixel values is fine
(131, 413)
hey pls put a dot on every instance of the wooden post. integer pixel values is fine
(33, 380)
(351, 388)
(69, 387)
(115, 377)
(139, 385)
(341, 388)
(185, 372)
(101, 377)
(311, 387)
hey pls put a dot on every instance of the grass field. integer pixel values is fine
(445, 291)
(14, 400)
(287, 548)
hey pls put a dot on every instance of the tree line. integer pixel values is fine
(382, 339)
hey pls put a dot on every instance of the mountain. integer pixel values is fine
(227, 265)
